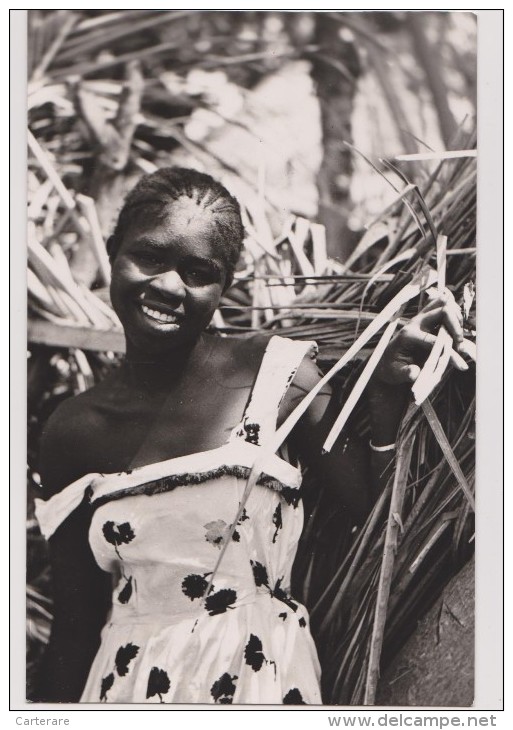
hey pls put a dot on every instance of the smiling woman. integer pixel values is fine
(169, 585)
(173, 253)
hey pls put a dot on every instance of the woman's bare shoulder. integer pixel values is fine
(64, 438)
(245, 345)
(242, 353)
(79, 411)
(248, 352)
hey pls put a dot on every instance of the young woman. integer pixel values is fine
(143, 476)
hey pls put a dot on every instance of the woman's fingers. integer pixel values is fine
(443, 309)
(449, 315)
(435, 301)
(410, 372)
(467, 347)
(458, 361)
(405, 360)
(435, 295)
(415, 337)
(434, 315)
(400, 372)
(439, 300)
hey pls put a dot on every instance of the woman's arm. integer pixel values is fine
(352, 471)
(346, 470)
(81, 591)
(81, 595)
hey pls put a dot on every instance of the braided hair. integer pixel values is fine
(154, 192)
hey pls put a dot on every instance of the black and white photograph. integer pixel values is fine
(251, 358)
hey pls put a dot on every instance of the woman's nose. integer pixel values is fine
(169, 284)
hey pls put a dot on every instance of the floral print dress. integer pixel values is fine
(159, 530)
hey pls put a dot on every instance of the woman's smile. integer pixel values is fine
(167, 279)
(161, 315)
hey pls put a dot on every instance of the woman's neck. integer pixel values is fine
(150, 370)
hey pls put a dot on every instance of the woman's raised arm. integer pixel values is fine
(352, 470)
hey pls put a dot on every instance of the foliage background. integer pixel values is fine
(267, 102)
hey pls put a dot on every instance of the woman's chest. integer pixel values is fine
(141, 428)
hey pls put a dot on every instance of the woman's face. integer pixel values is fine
(167, 279)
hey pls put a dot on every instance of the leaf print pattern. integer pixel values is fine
(262, 579)
(195, 585)
(253, 653)
(277, 521)
(244, 516)
(219, 602)
(282, 596)
(223, 689)
(125, 593)
(259, 573)
(216, 532)
(252, 431)
(290, 495)
(158, 683)
(293, 697)
(107, 683)
(124, 656)
(117, 535)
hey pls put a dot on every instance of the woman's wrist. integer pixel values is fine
(383, 449)
(386, 404)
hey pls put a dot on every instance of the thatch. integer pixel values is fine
(435, 523)
(365, 589)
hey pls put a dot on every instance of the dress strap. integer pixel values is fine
(279, 365)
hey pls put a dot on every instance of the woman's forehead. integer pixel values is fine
(188, 211)
(179, 217)
(182, 223)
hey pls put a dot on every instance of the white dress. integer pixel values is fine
(158, 530)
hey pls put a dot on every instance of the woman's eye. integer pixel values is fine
(147, 257)
(198, 276)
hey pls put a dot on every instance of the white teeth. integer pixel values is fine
(162, 317)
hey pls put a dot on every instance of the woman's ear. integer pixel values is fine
(228, 282)
(111, 247)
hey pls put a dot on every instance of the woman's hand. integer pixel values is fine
(408, 350)
(400, 365)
